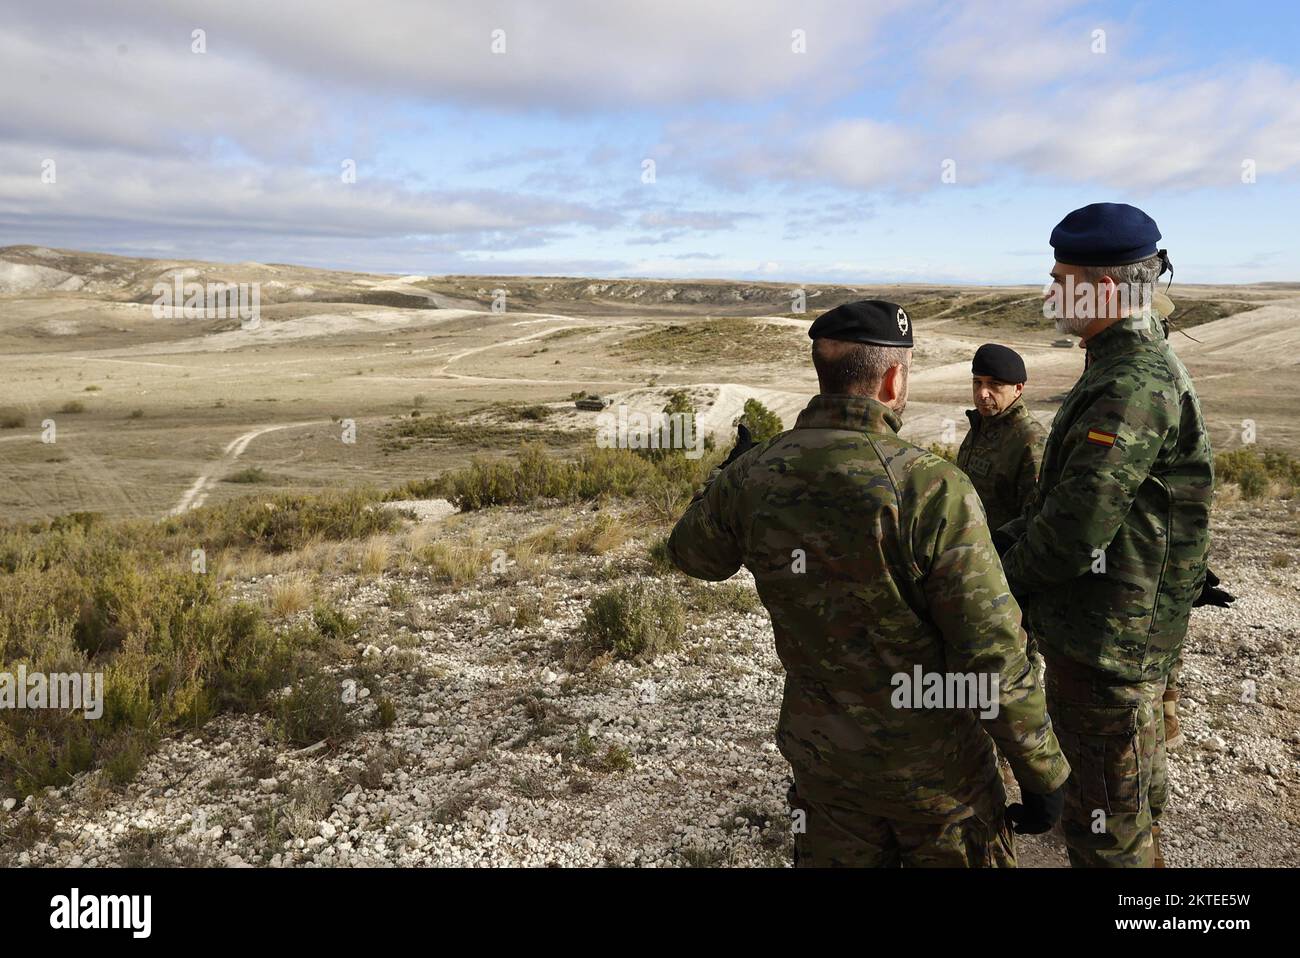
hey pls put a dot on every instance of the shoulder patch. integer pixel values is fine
(1101, 438)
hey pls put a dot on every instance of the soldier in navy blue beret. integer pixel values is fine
(1105, 234)
(1107, 263)
(1109, 556)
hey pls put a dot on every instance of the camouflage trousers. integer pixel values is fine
(833, 836)
(1113, 735)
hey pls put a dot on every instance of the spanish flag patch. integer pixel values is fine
(1101, 438)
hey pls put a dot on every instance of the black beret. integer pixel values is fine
(1000, 362)
(872, 321)
(1105, 234)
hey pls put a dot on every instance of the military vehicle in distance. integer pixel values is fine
(593, 403)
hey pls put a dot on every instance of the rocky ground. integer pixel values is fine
(505, 750)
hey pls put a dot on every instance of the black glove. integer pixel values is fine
(1211, 595)
(1038, 813)
(744, 443)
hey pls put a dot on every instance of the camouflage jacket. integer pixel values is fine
(873, 559)
(1001, 455)
(1111, 548)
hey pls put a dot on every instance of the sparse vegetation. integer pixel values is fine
(731, 340)
(638, 620)
(313, 710)
(72, 406)
(251, 475)
(455, 563)
(1255, 472)
(535, 475)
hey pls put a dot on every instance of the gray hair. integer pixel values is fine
(1143, 272)
(845, 367)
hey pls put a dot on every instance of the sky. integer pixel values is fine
(803, 142)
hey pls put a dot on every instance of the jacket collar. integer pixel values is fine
(1122, 336)
(848, 412)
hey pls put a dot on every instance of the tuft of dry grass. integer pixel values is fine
(290, 595)
(455, 563)
(374, 555)
(604, 533)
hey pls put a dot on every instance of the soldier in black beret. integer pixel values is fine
(873, 559)
(843, 367)
(871, 321)
(1004, 447)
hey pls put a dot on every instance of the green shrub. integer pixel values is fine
(82, 594)
(1253, 470)
(72, 406)
(285, 521)
(762, 423)
(636, 621)
(332, 623)
(313, 710)
(535, 475)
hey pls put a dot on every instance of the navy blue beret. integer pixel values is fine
(872, 321)
(1105, 234)
(1001, 362)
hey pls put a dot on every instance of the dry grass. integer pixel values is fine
(374, 555)
(290, 595)
(455, 563)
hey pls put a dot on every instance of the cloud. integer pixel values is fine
(112, 191)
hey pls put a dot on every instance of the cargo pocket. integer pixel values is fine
(1101, 745)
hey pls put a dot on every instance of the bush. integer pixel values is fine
(636, 621)
(91, 597)
(73, 406)
(762, 423)
(533, 413)
(535, 475)
(679, 401)
(313, 710)
(253, 474)
(944, 451)
(82, 594)
(287, 521)
(1253, 471)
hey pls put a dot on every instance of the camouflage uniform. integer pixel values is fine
(872, 556)
(1001, 455)
(1110, 556)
